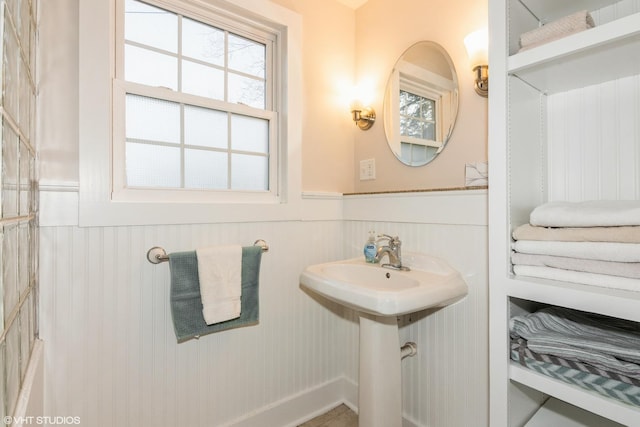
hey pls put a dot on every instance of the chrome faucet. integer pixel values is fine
(392, 250)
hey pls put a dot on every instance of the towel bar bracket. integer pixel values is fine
(156, 254)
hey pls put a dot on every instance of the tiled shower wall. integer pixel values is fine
(18, 223)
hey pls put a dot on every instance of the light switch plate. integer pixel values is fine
(367, 169)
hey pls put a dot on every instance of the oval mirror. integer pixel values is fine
(420, 103)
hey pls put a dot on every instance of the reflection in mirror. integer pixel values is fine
(420, 103)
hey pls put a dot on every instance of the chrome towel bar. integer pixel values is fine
(156, 254)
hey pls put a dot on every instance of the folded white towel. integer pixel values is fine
(604, 251)
(621, 234)
(571, 24)
(611, 268)
(594, 213)
(220, 276)
(592, 279)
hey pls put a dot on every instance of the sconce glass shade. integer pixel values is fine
(477, 48)
(477, 44)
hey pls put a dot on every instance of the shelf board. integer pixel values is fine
(550, 10)
(585, 399)
(557, 413)
(607, 301)
(597, 55)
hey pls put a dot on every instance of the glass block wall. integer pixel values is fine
(18, 199)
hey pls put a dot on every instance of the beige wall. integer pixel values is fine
(384, 29)
(328, 66)
(339, 45)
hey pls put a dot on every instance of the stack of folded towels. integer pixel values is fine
(560, 28)
(594, 243)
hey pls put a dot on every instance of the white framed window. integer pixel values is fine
(200, 119)
(195, 106)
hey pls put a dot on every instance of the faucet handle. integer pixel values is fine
(393, 241)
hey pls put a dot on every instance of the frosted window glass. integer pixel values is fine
(9, 172)
(419, 153)
(26, 96)
(202, 80)
(11, 83)
(150, 68)
(246, 56)
(249, 134)
(26, 160)
(205, 127)
(24, 339)
(152, 119)
(249, 172)
(247, 91)
(151, 26)
(205, 169)
(13, 364)
(10, 269)
(203, 42)
(3, 397)
(25, 25)
(23, 258)
(152, 165)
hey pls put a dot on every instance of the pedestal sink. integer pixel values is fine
(379, 295)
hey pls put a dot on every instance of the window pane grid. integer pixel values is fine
(175, 164)
(230, 57)
(212, 129)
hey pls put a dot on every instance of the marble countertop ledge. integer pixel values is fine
(427, 190)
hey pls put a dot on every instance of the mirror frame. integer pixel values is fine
(436, 86)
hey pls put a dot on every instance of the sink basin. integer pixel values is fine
(369, 288)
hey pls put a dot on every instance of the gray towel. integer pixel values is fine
(607, 343)
(185, 301)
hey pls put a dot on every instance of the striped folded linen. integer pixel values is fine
(603, 251)
(622, 269)
(610, 388)
(520, 345)
(593, 213)
(621, 234)
(607, 343)
(591, 279)
(571, 24)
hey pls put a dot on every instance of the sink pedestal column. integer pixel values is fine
(379, 390)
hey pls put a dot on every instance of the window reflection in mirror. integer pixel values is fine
(421, 103)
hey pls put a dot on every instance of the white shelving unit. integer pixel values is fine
(583, 67)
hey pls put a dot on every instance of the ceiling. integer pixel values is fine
(354, 4)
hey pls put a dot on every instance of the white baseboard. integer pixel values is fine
(302, 407)
(295, 410)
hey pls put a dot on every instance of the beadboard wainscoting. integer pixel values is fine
(111, 353)
(446, 384)
(111, 356)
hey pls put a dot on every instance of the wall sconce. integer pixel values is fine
(477, 49)
(364, 117)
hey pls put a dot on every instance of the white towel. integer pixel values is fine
(604, 251)
(592, 279)
(594, 213)
(220, 276)
(611, 268)
(571, 24)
